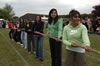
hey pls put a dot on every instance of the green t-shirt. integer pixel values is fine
(78, 35)
(55, 30)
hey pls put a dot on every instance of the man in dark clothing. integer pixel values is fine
(94, 22)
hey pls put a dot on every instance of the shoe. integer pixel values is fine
(22, 45)
(12, 39)
(29, 52)
(25, 48)
(36, 57)
(41, 59)
(34, 52)
(18, 42)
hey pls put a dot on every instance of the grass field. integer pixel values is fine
(12, 54)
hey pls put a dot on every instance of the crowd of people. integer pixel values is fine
(92, 24)
(30, 35)
(2, 23)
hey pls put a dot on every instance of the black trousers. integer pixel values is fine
(94, 29)
(11, 34)
(30, 38)
(17, 36)
(55, 49)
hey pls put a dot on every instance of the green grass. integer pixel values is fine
(12, 54)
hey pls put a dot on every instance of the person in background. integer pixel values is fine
(4, 24)
(18, 34)
(38, 39)
(98, 26)
(86, 22)
(1, 23)
(15, 32)
(23, 33)
(94, 22)
(30, 36)
(98, 22)
(75, 34)
(11, 32)
(55, 26)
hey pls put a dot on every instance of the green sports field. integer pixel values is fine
(12, 54)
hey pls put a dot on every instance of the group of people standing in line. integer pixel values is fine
(24, 34)
(72, 35)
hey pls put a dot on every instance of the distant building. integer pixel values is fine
(32, 16)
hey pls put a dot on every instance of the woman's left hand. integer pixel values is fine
(87, 48)
(58, 39)
(43, 34)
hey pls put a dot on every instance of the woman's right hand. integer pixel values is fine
(74, 45)
(48, 36)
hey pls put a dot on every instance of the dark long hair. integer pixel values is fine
(73, 12)
(50, 18)
(36, 20)
(20, 19)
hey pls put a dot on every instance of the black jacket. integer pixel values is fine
(29, 28)
(38, 27)
(22, 26)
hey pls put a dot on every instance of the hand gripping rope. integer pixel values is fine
(90, 49)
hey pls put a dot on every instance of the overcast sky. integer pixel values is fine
(63, 7)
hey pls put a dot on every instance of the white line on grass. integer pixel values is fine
(18, 53)
(46, 52)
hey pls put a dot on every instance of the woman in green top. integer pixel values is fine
(75, 34)
(55, 30)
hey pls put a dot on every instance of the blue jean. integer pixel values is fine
(24, 38)
(39, 46)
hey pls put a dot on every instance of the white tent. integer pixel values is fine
(1, 19)
(44, 18)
